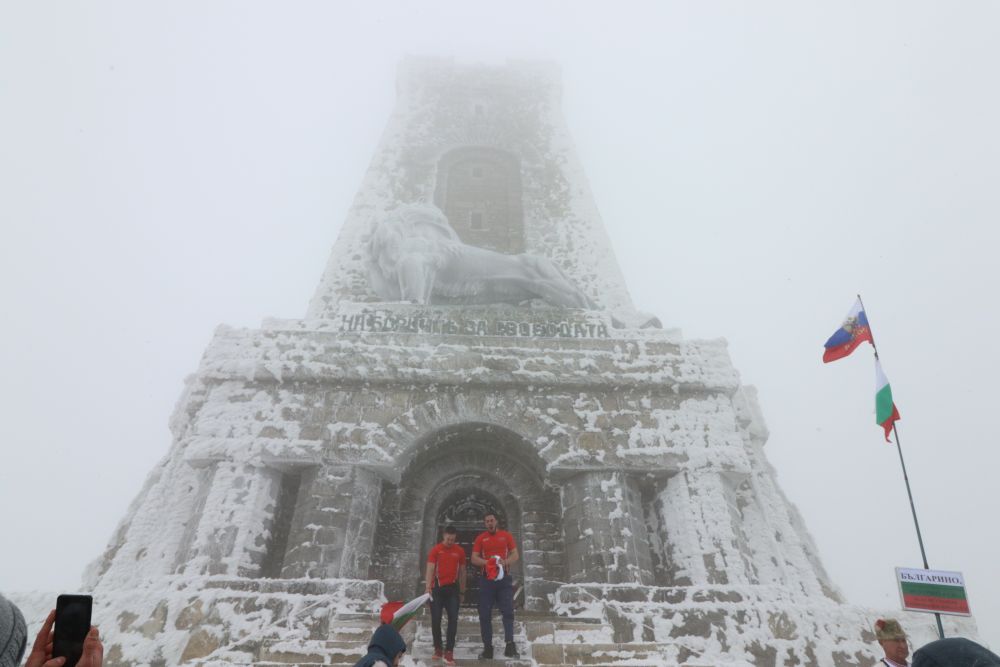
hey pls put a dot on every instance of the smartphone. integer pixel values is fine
(72, 626)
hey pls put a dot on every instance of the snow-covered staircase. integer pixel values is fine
(543, 640)
(468, 644)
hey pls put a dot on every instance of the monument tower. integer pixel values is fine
(471, 346)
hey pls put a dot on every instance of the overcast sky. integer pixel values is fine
(168, 167)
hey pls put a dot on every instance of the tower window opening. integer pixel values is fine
(476, 220)
(477, 172)
(480, 110)
(284, 508)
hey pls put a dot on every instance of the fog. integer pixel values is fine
(167, 168)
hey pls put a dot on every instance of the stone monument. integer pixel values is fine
(471, 346)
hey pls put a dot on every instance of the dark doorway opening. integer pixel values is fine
(465, 510)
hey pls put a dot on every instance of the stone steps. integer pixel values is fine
(317, 652)
(468, 643)
(597, 655)
(542, 641)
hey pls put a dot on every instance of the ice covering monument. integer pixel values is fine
(471, 346)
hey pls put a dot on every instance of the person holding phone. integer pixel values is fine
(41, 652)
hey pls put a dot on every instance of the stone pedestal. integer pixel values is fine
(236, 521)
(605, 534)
(698, 512)
(334, 523)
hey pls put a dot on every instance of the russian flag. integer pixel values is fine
(852, 332)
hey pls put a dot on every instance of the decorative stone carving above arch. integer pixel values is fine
(433, 423)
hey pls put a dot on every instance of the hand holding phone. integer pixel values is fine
(72, 626)
(75, 648)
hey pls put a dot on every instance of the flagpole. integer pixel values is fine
(906, 480)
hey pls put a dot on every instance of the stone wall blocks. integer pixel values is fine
(534, 516)
(326, 536)
(381, 416)
(764, 655)
(712, 595)
(114, 655)
(549, 654)
(540, 632)
(591, 441)
(858, 659)
(331, 553)
(509, 364)
(156, 623)
(552, 558)
(313, 518)
(534, 570)
(326, 487)
(532, 557)
(782, 627)
(624, 422)
(699, 624)
(126, 619)
(201, 643)
(669, 595)
(309, 554)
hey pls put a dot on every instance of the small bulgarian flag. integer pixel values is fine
(938, 591)
(885, 410)
(398, 614)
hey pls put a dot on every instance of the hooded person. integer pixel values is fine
(13, 634)
(955, 652)
(385, 649)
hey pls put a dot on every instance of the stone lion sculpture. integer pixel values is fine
(415, 255)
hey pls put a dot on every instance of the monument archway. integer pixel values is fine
(458, 473)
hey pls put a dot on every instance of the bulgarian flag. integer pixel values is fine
(398, 614)
(885, 409)
(849, 336)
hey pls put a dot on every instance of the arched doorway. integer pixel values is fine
(457, 473)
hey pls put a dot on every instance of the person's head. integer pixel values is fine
(490, 521)
(450, 535)
(891, 637)
(389, 642)
(13, 634)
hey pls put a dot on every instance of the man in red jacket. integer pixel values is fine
(446, 585)
(494, 551)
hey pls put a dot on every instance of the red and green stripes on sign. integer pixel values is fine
(934, 597)
(885, 409)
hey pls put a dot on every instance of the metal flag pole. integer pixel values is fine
(906, 480)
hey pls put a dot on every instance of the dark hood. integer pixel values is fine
(954, 652)
(387, 641)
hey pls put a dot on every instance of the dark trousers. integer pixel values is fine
(500, 594)
(446, 598)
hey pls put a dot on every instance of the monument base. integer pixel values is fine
(226, 620)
